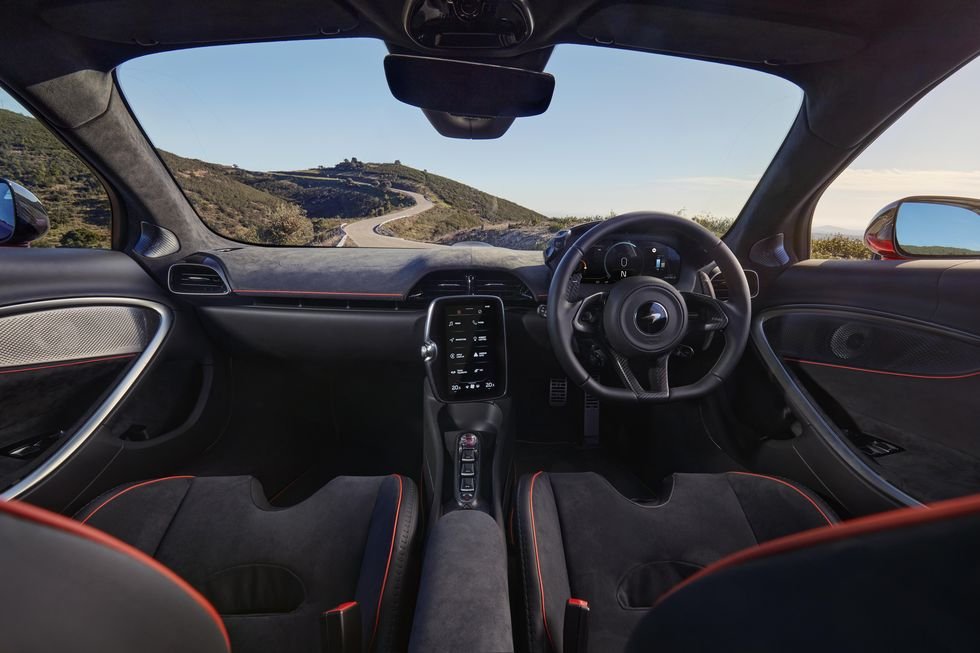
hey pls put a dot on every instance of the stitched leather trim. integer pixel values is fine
(391, 553)
(803, 494)
(537, 558)
(52, 520)
(128, 489)
(891, 520)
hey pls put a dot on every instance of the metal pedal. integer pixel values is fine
(590, 421)
(558, 392)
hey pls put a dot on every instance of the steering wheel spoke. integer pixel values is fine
(705, 314)
(659, 386)
(587, 314)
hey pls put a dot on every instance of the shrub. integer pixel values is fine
(839, 246)
(286, 224)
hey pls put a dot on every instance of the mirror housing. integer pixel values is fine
(22, 217)
(464, 88)
(926, 227)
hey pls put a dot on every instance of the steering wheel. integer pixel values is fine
(644, 319)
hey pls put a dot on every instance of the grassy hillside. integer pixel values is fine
(304, 207)
(75, 200)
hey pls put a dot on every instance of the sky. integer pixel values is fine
(625, 131)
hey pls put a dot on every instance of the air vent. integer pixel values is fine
(443, 284)
(196, 279)
(508, 288)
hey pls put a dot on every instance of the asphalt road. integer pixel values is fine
(364, 234)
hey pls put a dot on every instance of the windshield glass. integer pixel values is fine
(301, 143)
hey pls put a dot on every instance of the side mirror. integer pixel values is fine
(926, 227)
(22, 218)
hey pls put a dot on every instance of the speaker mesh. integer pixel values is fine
(73, 333)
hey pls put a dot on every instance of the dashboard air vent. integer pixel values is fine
(196, 279)
(443, 284)
(508, 288)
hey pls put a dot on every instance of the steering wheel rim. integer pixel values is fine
(734, 316)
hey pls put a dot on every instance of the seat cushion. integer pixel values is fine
(581, 538)
(269, 571)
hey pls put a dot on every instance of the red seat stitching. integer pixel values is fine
(890, 520)
(537, 559)
(792, 487)
(391, 552)
(47, 518)
(130, 488)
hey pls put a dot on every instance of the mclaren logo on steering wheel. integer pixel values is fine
(652, 317)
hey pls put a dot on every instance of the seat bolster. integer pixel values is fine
(776, 507)
(389, 568)
(138, 513)
(543, 567)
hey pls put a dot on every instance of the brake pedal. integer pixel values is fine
(558, 392)
(590, 421)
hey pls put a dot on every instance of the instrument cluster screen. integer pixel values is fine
(610, 261)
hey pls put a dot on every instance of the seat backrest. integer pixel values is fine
(903, 580)
(67, 587)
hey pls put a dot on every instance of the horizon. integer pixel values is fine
(711, 166)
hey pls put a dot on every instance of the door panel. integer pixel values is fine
(880, 363)
(103, 377)
(64, 367)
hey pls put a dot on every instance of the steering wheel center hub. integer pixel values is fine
(644, 316)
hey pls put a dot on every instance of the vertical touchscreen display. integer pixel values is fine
(471, 345)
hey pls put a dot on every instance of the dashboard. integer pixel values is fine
(626, 256)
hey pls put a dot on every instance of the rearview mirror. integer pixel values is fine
(926, 227)
(22, 218)
(464, 88)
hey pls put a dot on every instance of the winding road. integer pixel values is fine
(364, 233)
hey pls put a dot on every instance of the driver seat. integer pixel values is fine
(581, 539)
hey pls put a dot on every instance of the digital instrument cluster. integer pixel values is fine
(611, 260)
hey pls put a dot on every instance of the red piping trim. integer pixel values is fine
(79, 362)
(891, 520)
(343, 607)
(391, 553)
(317, 292)
(792, 487)
(937, 377)
(130, 488)
(537, 559)
(50, 519)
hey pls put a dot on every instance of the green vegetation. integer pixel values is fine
(940, 250)
(839, 246)
(75, 200)
(308, 207)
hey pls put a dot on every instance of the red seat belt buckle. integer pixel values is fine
(340, 629)
(575, 636)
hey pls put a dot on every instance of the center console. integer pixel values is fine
(467, 461)
(465, 355)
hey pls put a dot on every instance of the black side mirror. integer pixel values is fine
(926, 227)
(22, 218)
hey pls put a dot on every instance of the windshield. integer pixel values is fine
(301, 143)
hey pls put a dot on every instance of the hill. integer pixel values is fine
(300, 207)
(74, 198)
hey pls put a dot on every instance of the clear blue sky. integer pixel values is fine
(625, 130)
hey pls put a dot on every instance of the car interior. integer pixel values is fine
(215, 445)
